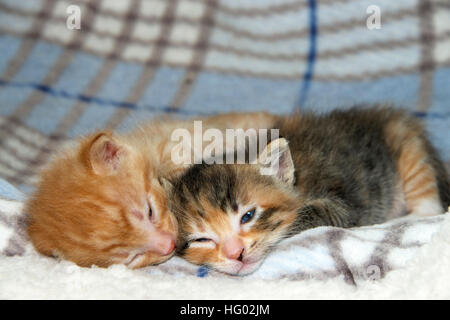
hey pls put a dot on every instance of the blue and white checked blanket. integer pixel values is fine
(134, 59)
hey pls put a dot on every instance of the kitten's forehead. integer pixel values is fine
(222, 185)
(208, 186)
(207, 191)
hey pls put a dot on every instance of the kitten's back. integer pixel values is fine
(371, 158)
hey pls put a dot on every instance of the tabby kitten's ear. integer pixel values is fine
(105, 154)
(276, 160)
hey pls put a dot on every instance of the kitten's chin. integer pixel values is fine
(237, 268)
(248, 268)
(141, 260)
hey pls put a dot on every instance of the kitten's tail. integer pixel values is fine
(423, 176)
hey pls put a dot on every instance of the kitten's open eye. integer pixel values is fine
(248, 216)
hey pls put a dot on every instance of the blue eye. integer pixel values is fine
(248, 216)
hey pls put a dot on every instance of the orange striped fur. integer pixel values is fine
(415, 165)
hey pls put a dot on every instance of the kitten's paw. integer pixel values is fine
(427, 208)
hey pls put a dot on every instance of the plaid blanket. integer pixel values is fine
(134, 59)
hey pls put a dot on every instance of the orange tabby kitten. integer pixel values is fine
(101, 202)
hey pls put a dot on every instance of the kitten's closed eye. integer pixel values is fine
(150, 213)
(201, 240)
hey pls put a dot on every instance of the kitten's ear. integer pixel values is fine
(165, 183)
(276, 160)
(105, 154)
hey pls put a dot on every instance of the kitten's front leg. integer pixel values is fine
(323, 212)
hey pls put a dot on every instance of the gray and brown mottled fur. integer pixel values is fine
(346, 169)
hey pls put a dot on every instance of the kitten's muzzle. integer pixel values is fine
(162, 243)
(234, 248)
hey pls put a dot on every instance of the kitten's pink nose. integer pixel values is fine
(162, 243)
(233, 248)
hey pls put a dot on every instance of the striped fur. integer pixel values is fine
(423, 177)
(98, 219)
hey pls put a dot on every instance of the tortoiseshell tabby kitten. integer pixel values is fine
(345, 169)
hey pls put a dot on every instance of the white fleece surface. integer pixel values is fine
(31, 276)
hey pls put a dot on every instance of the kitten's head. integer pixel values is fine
(101, 203)
(230, 216)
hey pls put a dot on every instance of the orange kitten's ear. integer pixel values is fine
(276, 160)
(105, 154)
(166, 184)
